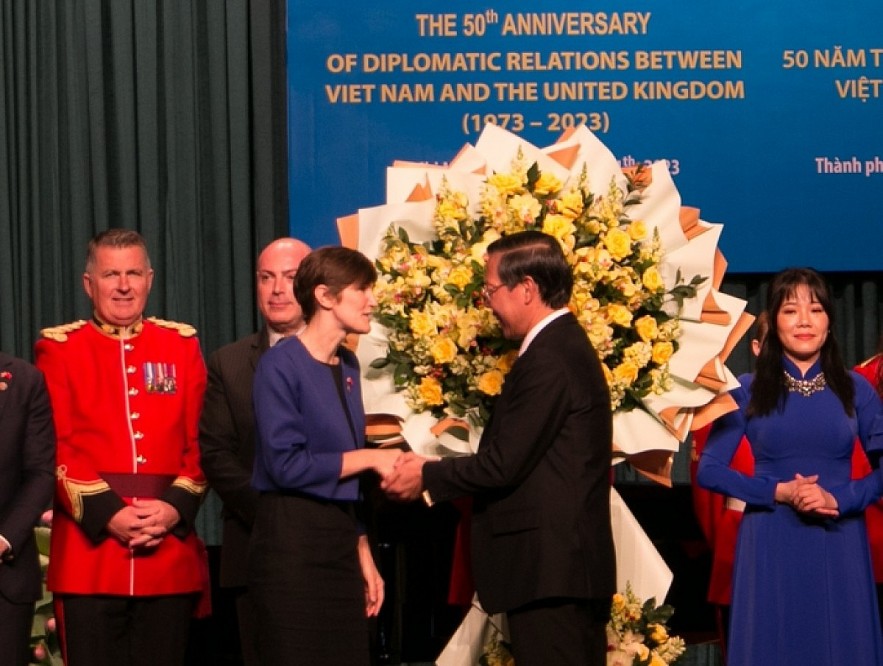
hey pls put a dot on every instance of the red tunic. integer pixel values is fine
(126, 411)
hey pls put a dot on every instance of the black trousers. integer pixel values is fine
(124, 631)
(561, 632)
(15, 632)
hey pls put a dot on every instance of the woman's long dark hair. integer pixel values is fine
(769, 390)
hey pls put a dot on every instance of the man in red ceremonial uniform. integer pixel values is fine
(125, 563)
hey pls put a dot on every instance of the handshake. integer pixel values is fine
(401, 472)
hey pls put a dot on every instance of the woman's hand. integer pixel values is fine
(374, 587)
(813, 499)
(385, 461)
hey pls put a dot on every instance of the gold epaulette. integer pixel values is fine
(184, 330)
(869, 361)
(59, 333)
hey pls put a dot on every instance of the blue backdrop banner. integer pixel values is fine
(768, 113)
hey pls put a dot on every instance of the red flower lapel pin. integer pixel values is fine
(5, 378)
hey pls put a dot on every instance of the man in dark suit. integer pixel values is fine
(226, 428)
(27, 481)
(542, 545)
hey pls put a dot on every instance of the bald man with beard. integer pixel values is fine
(226, 429)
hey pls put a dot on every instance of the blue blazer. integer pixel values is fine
(302, 429)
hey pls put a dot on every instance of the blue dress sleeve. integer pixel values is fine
(856, 495)
(714, 471)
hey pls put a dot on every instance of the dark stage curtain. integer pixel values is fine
(165, 116)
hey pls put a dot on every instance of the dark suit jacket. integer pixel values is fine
(226, 441)
(541, 478)
(27, 473)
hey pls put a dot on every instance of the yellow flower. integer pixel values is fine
(421, 325)
(506, 183)
(560, 227)
(571, 204)
(626, 373)
(491, 382)
(443, 350)
(656, 660)
(651, 279)
(619, 314)
(451, 209)
(637, 230)
(646, 328)
(618, 243)
(658, 633)
(506, 361)
(546, 184)
(662, 352)
(608, 376)
(430, 391)
(460, 276)
(525, 208)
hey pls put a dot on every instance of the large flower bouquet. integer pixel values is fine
(445, 346)
(646, 273)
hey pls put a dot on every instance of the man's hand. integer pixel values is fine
(144, 524)
(406, 481)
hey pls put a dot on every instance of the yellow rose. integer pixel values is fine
(460, 276)
(656, 660)
(658, 633)
(506, 361)
(560, 227)
(651, 279)
(506, 183)
(618, 243)
(626, 373)
(662, 352)
(525, 208)
(422, 325)
(619, 314)
(637, 230)
(430, 391)
(546, 184)
(608, 377)
(443, 350)
(491, 382)
(571, 204)
(646, 328)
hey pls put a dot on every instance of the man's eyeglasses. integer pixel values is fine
(489, 290)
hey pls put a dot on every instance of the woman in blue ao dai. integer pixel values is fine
(803, 587)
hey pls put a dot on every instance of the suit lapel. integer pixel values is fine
(259, 344)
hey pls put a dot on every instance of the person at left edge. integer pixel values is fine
(226, 427)
(126, 392)
(27, 457)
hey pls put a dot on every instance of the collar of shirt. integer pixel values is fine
(539, 326)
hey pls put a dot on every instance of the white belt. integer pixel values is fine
(734, 504)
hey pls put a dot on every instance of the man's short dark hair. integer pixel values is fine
(539, 256)
(117, 238)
